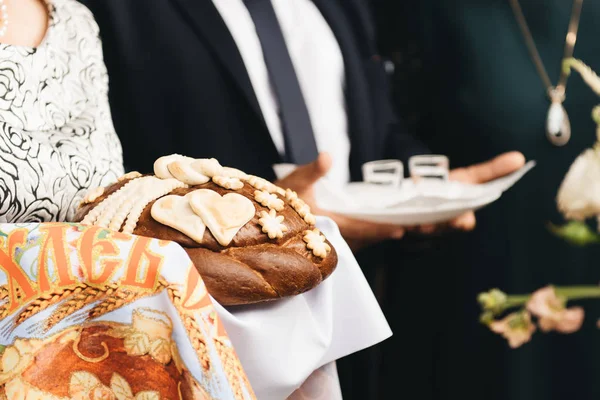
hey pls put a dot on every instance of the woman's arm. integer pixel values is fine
(56, 135)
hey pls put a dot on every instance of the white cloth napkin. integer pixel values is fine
(323, 384)
(281, 343)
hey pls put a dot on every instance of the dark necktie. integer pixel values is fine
(300, 145)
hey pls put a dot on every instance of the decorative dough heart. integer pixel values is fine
(223, 215)
(183, 171)
(175, 211)
(161, 166)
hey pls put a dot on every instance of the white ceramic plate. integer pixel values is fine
(424, 194)
(420, 210)
(427, 202)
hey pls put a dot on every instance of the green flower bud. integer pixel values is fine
(486, 318)
(493, 301)
(577, 233)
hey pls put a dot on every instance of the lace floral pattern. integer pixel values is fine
(56, 135)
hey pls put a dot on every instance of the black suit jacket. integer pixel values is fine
(178, 85)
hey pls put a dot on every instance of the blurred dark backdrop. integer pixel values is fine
(439, 350)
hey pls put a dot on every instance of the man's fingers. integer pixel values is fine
(428, 229)
(305, 176)
(380, 232)
(497, 167)
(368, 231)
(465, 222)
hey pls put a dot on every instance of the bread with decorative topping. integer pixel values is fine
(99, 361)
(250, 240)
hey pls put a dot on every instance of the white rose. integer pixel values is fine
(579, 194)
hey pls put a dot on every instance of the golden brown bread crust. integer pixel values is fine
(55, 363)
(253, 268)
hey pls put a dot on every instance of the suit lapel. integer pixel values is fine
(206, 21)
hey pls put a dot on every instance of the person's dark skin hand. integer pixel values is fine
(362, 233)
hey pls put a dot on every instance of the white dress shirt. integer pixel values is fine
(319, 65)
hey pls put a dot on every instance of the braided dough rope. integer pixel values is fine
(127, 204)
(153, 190)
(92, 217)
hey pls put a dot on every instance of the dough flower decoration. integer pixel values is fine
(317, 243)
(269, 200)
(272, 224)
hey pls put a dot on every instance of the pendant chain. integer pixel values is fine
(555, 93)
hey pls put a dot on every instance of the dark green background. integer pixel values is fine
(466, 83)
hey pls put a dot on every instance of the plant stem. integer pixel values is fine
(578, 292)
(516, 300)
(568, 292)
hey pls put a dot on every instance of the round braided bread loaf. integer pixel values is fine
(250, 240)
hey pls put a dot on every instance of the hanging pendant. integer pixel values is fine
(558, 126)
